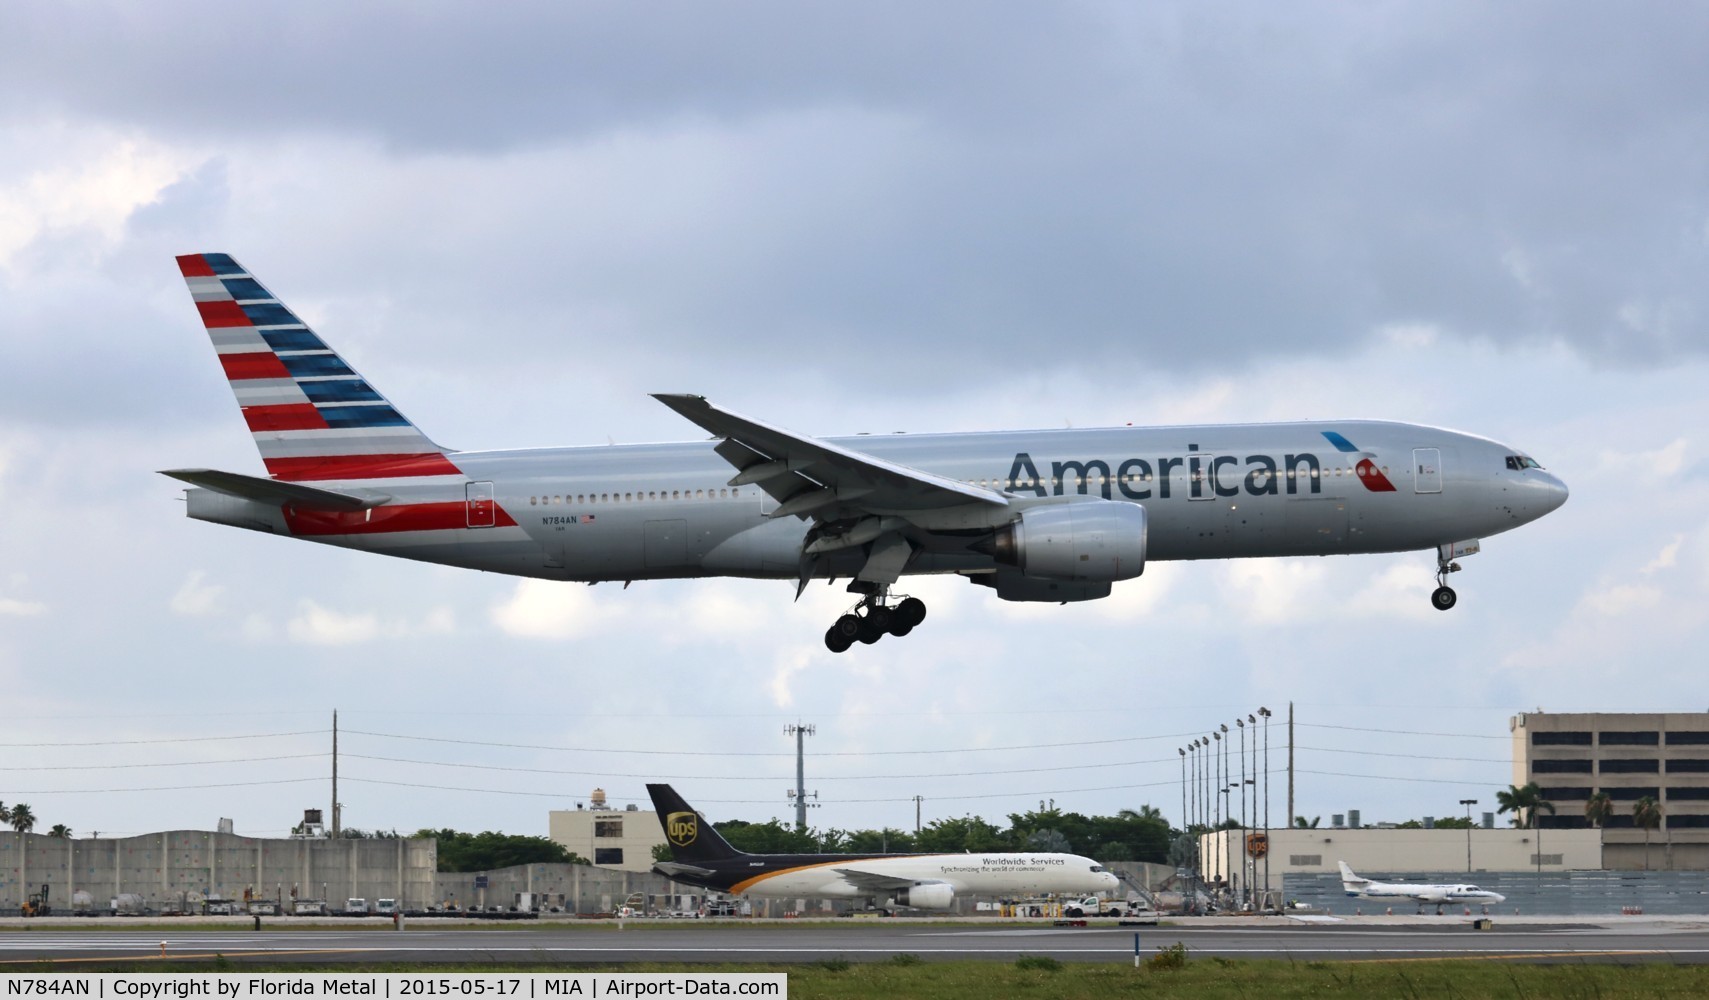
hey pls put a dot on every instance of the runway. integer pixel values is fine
(1677, 940)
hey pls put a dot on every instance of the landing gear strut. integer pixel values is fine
(1443, 597)
(872, 619)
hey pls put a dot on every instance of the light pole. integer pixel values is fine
(1468, 803)
(1244, 878)
(1184, 822)
(1264, 714)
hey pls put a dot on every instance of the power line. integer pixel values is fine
(653, 775)
(772, 801)
(180, 763)
(1402, 732)
(158, 788)
(733, 753)
(173, 739)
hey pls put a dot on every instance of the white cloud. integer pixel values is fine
(543, 609)
(21, 609)
(1666, 558)
(100, 178)
(195, 597)
(321, 626)
(1621, 599)
(1410, 336)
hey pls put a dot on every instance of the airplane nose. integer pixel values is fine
(1557, 493)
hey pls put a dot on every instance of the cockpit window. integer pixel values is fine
(1099, 868)
(1473, 888)
(1518, 462)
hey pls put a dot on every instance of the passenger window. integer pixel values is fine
(532, 501)
(724, 493)
(700, 494)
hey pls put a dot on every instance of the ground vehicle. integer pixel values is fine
(385, 907)
(37, 905)
(219, 906)
(128, 904)
(1092, 906)
(309, 907)
(355, 906)
(263, 908)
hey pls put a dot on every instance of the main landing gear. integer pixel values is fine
(872, 619)
(1443, 597)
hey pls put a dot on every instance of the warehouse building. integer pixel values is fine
(1572, 756)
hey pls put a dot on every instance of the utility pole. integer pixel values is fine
(1291, 813)
(335, 774)
(917, 801)
(800, 732)
(1469, 803)
(1264, 714)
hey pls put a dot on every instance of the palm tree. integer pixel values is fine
(5, 814)
(1598, 809)
(61, 831)
(1524, 802)
(1647, 813)
(1300, 822)
(22, 818)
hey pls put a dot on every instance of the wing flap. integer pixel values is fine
(788, 465)
(274, 492)
(873, 881)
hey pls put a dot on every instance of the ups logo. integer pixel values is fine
(681, 828)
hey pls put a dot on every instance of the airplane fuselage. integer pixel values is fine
(825, 875)
(634, 512)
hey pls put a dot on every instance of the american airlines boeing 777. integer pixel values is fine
(1047, 515)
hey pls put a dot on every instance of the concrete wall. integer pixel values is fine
(161, 866)
(1389, 851)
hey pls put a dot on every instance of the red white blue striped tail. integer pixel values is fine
(313, 417)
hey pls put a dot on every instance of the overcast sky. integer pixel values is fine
(518, 221)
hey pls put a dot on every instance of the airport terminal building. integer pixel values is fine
(1572, 756)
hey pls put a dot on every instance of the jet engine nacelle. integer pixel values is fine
(927, 896)
(1098, 541)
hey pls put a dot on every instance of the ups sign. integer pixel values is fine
(681, 828)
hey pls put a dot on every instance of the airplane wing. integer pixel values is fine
(272, 491)
(808, 476)
(872, 881)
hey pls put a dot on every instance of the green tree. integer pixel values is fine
(886, 841)
(1524, 802)
(1647, 815)
(22, 818)
(1598, 809)
(770, 837)
(1049, 841)
(959, 835)
(61, 831)
(1301, 824)
(475, 852)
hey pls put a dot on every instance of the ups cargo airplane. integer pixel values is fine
(1440, 893)
(1045, 515)
(701, 856)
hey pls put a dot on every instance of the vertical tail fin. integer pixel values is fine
(313, 416)
(691, 837)
(1350, 881)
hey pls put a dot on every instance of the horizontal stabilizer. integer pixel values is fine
(678, 870)
(273, 492)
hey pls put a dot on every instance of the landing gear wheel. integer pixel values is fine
(848, 626)
(875, 624)
(1444, 598)
(911, 612)
(898, 629)
(836, 641)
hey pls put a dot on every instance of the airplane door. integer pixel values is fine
(1426, 470)
(480, 509)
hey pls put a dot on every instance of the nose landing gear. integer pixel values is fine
(872, 619)
(1443, 597)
